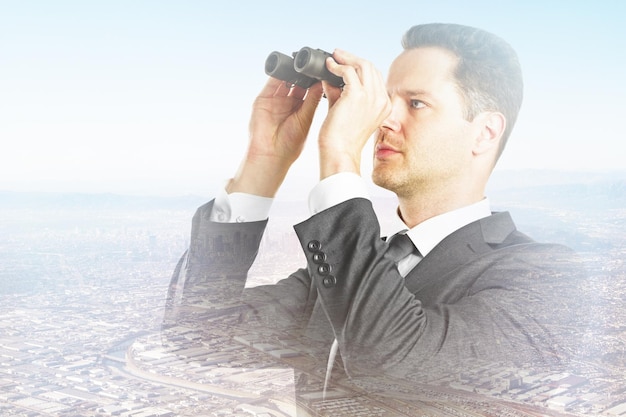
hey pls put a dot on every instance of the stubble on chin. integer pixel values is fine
(385, 176)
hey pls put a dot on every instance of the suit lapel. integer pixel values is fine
(459, 248)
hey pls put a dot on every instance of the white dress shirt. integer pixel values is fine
(426, 235)
(241, 207)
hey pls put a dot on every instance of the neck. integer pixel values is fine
(427, 203)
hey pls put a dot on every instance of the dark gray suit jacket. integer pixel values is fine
(486, 293)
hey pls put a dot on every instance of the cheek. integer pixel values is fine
(440, 145)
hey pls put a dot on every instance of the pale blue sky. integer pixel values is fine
(153, 97)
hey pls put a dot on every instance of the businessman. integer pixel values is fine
(468, 286)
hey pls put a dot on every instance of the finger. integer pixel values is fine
(312, 99)
(272, 85)
(282, 89)
(348, 72)
(331, 92)
(354, 69)
(344, 57)
(297, 92)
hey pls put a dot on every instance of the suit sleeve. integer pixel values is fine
(499, 310)
(214, 269)
(219, 249)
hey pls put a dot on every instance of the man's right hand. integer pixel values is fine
(280, 122)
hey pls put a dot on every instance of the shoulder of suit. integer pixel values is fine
(499, 229)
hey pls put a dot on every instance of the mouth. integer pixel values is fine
(384, 151)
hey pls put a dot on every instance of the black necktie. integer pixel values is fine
(400, 246)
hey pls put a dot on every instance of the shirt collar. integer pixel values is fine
(426, 235)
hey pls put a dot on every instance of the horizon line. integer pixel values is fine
(157, 189)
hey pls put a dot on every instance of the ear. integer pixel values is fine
(491, 127)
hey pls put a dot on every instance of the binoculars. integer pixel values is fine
(304, 68)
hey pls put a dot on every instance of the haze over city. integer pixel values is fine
(119, 118)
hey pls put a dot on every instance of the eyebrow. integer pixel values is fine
(416, 92)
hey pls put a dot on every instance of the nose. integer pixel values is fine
(392, 122)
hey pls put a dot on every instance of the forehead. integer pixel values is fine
(424, 68)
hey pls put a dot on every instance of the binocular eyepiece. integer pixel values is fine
(304, 68)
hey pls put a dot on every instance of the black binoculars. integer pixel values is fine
(304, 68)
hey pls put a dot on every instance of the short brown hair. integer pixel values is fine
(488, 73)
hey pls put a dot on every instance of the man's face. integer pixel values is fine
(426, 142)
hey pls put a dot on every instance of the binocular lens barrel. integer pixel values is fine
(303, 60)
(312, 62)
(306, 68)
(276, 63)
(280, 66)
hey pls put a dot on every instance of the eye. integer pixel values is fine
(417, 104)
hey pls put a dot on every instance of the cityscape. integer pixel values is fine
(83, 290)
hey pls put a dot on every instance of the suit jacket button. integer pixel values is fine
(324, 269)
(319, 257)
(329, 281)
(314, 246)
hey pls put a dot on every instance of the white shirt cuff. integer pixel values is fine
(336, 189)
(240, 207)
